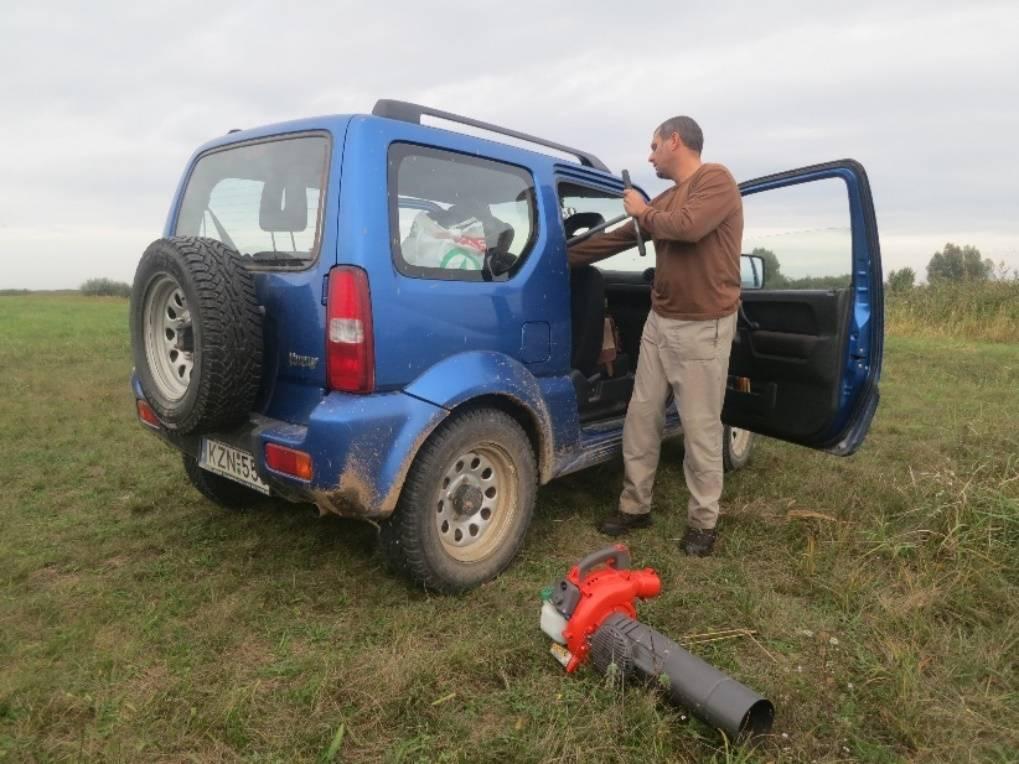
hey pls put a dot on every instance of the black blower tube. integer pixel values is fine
(705, 691)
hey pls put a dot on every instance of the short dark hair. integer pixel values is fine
(688, 131)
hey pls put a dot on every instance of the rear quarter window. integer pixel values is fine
(448, 211)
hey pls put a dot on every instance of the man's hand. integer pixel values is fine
(633, 202)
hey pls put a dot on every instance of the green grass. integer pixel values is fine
(139, 622)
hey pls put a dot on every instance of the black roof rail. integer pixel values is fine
(412, 112)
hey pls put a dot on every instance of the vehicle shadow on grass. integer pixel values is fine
(280, 534)
(286, 530)
(280, 537)
(594, 492)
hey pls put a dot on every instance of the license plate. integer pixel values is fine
(231, 463)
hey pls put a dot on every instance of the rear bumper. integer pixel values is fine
(361, 447)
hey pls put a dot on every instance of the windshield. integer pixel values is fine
(261, 199)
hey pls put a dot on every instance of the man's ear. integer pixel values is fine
(675, 141)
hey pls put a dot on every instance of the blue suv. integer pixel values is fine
(375, 314)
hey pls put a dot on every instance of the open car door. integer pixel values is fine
(806, 358)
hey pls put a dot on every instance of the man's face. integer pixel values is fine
(662, 150)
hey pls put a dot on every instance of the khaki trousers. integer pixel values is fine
(692, 359)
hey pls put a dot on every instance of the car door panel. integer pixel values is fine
(805, 363)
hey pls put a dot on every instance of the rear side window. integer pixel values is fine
(261, 199)
(450, 214)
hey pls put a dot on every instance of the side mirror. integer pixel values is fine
(751, 271)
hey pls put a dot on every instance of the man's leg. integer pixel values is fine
(642, 432)
(697, 370)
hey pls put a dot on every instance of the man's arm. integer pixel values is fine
(603, 245)
(707, 206)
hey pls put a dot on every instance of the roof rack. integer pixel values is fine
(412, 112)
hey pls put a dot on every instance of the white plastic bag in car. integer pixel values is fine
(461, 246)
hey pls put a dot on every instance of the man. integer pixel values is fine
(697, 228)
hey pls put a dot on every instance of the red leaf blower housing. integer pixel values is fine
(592, 613)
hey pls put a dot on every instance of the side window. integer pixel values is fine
(451, 214)
(803, 233)
(576, 205)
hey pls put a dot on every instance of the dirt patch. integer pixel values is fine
(150, 682)
(51, 577)
(250, 652)
(355, 495)
(351, 497)
(114, 563)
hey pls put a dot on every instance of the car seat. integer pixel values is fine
(499, 234)
(587, 314)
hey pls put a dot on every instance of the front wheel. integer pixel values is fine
(737, 445)
(467, 503)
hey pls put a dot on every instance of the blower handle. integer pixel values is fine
(618, 554)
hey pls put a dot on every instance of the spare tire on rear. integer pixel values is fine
(196, 333)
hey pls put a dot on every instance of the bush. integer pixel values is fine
(901, 280)
(105, 288)
(979, 310)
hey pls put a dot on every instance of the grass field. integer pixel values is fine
(140, 623)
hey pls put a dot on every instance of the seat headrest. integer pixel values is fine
(284, 206)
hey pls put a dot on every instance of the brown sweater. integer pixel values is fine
(697, 228)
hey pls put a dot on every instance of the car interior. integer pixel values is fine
(788, 357)
(606, 324)
(784, 369)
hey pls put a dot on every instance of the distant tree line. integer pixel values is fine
(105, 288)
(952, 264)
(775, 279)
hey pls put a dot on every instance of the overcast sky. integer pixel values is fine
(103, 102)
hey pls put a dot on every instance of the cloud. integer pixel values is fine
(103, 103)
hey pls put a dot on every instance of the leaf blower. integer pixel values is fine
(591, 614)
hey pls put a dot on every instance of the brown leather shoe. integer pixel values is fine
(619, 523)
(697, 542)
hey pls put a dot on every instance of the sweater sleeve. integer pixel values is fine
(603, 245)
(707, 205)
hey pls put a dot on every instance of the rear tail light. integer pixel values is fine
(288, 461)
(148, 416)
(350, 346)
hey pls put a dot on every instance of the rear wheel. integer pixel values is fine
(737, 445)
(223, 491)
(467, 503)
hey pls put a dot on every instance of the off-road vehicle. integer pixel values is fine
(375, 314)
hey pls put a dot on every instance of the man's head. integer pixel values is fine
(676, 147)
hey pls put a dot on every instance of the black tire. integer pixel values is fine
(737, 446)
(200, 365)
(440, 501)
(220, 490)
